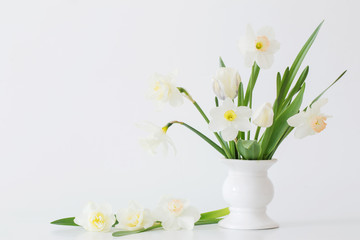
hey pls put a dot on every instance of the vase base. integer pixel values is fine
(248, 220)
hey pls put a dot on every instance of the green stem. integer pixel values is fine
(218, 137)
(208, 140)
(257, 133)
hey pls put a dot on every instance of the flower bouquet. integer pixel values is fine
(248, 155)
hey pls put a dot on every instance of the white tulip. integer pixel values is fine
(309, 122)
(259, 48)
(163, 90)
(176, 214)
(134, 217)
(96, 217)
(263, 117)
(229, 119)
(156, 139)
(226, 83)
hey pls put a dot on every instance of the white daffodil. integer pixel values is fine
(163, 89)
(259, 47)
(229, 119)
(96, 217)
(309, 122)
(156, 139)
(134, 217)
(175, 214)
(263, 117)
(226, 83)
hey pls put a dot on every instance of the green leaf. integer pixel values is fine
(65, 221)
(322, 93)
(275, 133)
(249, 149)
(298, 85)
(241, 98)
(252, 81)
(300, 57)
(282, 93)
(278, 83)
(215, 214)
(222, 64)
(216, 101)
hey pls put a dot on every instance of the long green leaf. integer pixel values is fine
(296, 87)
(300, 57)
(252, 81)
(322, 93)
(215, 214)
(274, 133)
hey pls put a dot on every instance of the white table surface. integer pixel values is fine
(304, 230)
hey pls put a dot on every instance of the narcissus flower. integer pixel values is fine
(163, 90)
(263, 117)
(229, 119)
(226, 83)
(259, 47)
(175, 214)
(309, 122)
(156, 138)
(96, 217)
(134, 217)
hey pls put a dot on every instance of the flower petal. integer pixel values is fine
(273, 47)
(242, 124)
(297, 120)
(229, 133)
(266, 31)
(303, 131)
(186, 222)
(264, 60)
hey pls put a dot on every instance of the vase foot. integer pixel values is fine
(247, 219)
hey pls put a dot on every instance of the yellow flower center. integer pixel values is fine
(230, 115)
(98, 221)
(262, 43)
(133, 220)
(175, 206)
(318, 124)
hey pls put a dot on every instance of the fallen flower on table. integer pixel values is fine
(96, 217)
(176, 214)
(134, 217)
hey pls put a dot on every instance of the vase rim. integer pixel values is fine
(252, 160)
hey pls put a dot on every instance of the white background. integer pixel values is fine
(73, 78)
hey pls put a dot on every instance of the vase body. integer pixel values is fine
(248, 190)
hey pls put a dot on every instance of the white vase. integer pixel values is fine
(248, 190)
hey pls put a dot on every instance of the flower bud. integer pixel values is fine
(226, 83)
(263, 117)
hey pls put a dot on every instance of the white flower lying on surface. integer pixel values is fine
(229, 119)
(134, 217)
(157, 138)
(309, 122)
(96, 217)
(260, 47)
(163, 89)
(226, 83)
(263, 117)
(175, 214)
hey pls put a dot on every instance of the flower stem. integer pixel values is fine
(257, 133)
(208, 140)
(219, 138)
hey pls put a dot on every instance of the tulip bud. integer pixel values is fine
(226, 83)
(263, 117)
